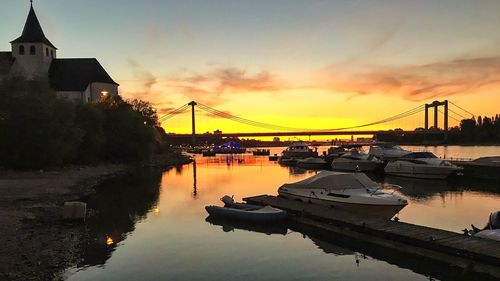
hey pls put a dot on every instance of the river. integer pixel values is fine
(153, 226)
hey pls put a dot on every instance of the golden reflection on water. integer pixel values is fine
(439, 204)
(184, 235)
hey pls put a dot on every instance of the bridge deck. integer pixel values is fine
(307, 133)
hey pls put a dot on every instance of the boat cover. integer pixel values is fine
(335, 181)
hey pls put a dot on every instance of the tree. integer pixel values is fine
(127, 137)
(146, 110)
(37, 129)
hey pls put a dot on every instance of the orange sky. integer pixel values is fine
(313, 64)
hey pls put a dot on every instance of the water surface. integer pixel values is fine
(154, 227)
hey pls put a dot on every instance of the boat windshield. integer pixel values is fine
(495, 220)
(419, 155)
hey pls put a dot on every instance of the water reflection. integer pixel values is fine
(115, 209)
(358, 250)
(195, 190)
(171, 230)
(230, 225)
(361, 250)
(420, 189)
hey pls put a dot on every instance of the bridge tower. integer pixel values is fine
(193, 122)
(435, 105)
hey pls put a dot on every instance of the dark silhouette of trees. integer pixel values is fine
(486, 130)
(38, 129)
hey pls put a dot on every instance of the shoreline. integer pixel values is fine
(37, 244)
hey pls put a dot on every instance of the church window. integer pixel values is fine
(32, 50)
(47, 52)
(21, 50)
(52, 53)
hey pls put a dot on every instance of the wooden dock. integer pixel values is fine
(454, 249)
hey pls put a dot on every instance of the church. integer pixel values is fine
(33, 55)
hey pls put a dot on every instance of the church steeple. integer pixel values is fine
(32, 31)
(32, 51)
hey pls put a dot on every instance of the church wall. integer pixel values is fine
(96, 90)
(31, 65)
(70, 95)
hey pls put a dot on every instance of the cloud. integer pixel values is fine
(146, 81)
(416, 82)
(210, 87)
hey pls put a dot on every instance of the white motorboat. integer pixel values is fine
(311, 163)
(423, 165)
(353, 192)
(387, 151)
(357, 160)
(491, 230)
(298, 150)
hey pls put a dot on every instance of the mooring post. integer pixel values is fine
(193, 122)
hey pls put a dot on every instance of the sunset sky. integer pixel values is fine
(305, 64)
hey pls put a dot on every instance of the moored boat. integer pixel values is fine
(487, 168)
(245, 212)
(311, 163)
(353, 192)
(229, 148)
(208, 152)
(287, 161)
(491, 230)
(357, 161)
(261, 152)
(274, 157)
(298, 150)
(387, 151)
(423, 165)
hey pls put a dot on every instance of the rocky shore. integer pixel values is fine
(36, 243)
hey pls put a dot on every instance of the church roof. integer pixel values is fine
(32, 32)
(77, 74)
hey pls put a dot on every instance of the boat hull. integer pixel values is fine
(245, 215)
(358, 165)
(385, 211)
(492, 234)
(314, 166)
(419, 171)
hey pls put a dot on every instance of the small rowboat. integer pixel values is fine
(246, 212)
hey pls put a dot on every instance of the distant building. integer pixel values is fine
(33, 55)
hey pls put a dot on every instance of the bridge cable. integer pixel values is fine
(173, 113)
(275, 127)
(463, 109)
(405, 114)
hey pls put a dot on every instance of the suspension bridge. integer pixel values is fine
(447, 109)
